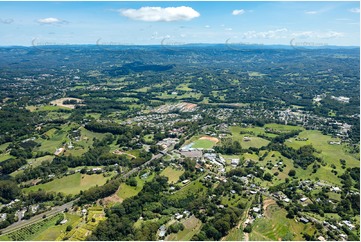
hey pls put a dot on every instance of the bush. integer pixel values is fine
(69, 228)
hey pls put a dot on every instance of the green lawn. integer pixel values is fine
(275, 226)
(53, 232)
(203, 143)
(172, 174)
(282, 127)
(39, 230)
(126, 191)
(194, 187)
(254, 141)
(148, 137)
(184, 87)
(71, 184)
(235, 235)
(192, 226)
(331, 154)
(34, 163)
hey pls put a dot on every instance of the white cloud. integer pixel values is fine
(158, 14)
(6, 21)
(50, 21)
(228, 29)
(311, 12)
(238, 12)
(271, 34)
(207, 26)
(354, 10)
(318, 35)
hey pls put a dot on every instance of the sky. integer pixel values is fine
(178, 23)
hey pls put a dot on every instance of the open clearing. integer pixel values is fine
(275, 226)
(71, 184)
(192, 225)
(59, 102)
(247, 140)
(126, 191)
(172, 174)
(331, 154)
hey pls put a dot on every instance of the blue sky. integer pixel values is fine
(62, 23)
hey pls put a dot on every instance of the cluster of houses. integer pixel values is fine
(161, 120)
(182, 107)
(177, 216)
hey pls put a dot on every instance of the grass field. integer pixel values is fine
(126, 191)
(282, 127)
(235, 235)
(203, 143)
(4, 157)
(71, 184)
(54, 232)
(254, 141)
(331, 154)
(192, 226)
(34, 162)
(149, 137)
(193, 187)
(184, 87)
(84, 229)
(275, 226)
(172, 174)
(44, 230)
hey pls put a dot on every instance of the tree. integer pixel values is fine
(267, 177)
(69, 228)
(292, 173)
(248, 228)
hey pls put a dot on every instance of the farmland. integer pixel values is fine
(275, 226)
(71, 184)
(126, 191)
(192, 225)
(172, 174)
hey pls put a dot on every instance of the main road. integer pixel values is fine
(23, 223)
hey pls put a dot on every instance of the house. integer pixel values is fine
(304, 220)
(256, 209)
(185, 181)
(321, 238)
(3, 217)
(84, 211)
(335, 189)
(246, 139)
(287, 200)
(162, 230)
(178, 216)
(303, 199)
(34, 208)
(348, 224)
(235, 162)
(144, 176)
(64, 221)
(59, 151)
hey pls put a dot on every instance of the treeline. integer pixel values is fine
(98, 192)
(11, 165)
(229, 147)
(119, 225)
(219, 225)
(303, 157)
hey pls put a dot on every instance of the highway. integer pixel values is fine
(22, 223)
